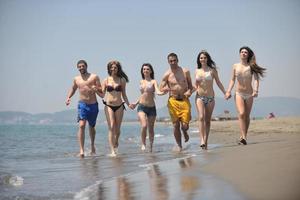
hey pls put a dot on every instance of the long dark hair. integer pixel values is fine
(210, 62)
(120, 72)
(259, 71)
(151, 68)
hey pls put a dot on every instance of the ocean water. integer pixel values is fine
(40, 162)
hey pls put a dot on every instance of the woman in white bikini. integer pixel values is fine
(244, 72)
(146, 104)
(205, 74)
(114, 87)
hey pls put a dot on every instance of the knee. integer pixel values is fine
(201, 118)
(81, 125)
(144, 127)
(185, 127)
(242, 115)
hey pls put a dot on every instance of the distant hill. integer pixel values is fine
(280, 106)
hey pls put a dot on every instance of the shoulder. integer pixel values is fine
(167, 73)
(185, 70)
(123, 80)
(236, 65)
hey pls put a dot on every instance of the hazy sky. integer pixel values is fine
(41, 41)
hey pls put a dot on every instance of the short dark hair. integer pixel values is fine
(82, 62)
(172, 55)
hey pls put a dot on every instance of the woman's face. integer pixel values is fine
(244, 54)
(203, 59)
(114, 69)
(146, 71)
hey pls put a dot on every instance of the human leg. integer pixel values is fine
(241, 109)
(249, 103)
(92, 132)
(80, 136)
(119, 117)
(208, 113)
(110, 118)
(201, 122)
(143, 122)
(177, 134)
(151, 122)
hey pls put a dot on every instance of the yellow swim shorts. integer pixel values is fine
(179, 109)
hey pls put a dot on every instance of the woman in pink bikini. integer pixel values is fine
(244, 72)
(146, 104)
(205, 75)
(114, 87)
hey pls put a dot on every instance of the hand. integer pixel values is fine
(187, 94)
(68, 101)
(227, 95)
(255, 94)
(132, 106)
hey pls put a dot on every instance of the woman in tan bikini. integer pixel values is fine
(114, 87)
(205, 74)
(146, 104)
(244, 72)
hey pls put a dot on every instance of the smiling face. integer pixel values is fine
(113, 69)
(146, 71)
(82, 68)
(203, 59)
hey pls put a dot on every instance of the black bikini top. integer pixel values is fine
(110, 88)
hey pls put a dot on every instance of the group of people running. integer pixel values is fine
(177, 83)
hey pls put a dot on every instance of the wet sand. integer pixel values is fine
(268, 167)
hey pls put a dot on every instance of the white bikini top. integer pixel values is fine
(149, 87)
(205, 76)
(246, 74)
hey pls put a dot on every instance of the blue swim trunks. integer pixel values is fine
(88, 112)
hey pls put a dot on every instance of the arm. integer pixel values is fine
(220, 85)
(256, 85)
(158, 92)
(71, 92)
(163, 87)
(124, 95)
(97, 87)
(188, 93)
(231, 83)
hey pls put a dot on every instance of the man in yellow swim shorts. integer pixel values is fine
(177, 81)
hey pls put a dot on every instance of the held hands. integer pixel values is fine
(132, 106)
(187, 94)
(227, 95)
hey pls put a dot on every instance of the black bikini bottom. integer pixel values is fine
(115, 108)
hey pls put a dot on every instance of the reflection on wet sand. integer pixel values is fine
(189, 183)
(158, 183)
(124, 189)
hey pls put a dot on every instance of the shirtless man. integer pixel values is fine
(177, 81)
(88, 85)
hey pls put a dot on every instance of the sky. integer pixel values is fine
(41, 42)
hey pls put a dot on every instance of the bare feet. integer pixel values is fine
(80, 155)
(143, 147)
(177, 149)
(112, 155)
(93, 151)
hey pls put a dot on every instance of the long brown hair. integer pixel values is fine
(120, 72)
(259, 71)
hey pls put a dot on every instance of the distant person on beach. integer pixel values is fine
(177, 81)
(114, 87)
(146, 105)
(88, 85)
(205, 74)
(245, 72)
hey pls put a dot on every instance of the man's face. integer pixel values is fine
(82, 68)
(172, 60)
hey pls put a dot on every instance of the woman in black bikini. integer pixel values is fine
(114, 87)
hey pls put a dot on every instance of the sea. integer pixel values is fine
(41, 162)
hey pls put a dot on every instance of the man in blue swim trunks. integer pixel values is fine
(89, 85)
